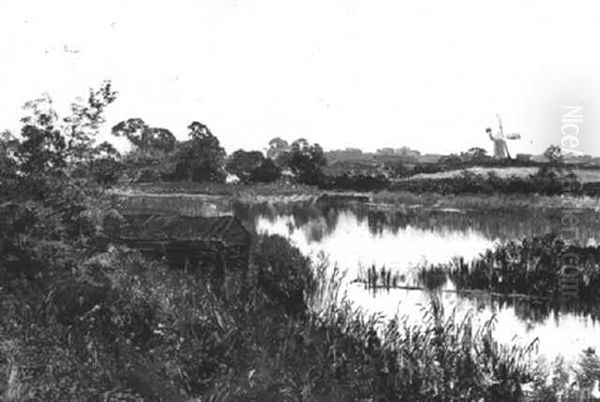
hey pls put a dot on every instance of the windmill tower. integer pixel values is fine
(499, 140)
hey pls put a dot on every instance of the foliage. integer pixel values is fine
(530, 267)
(277, 148)
(201, 158)
(382, 278)
(252, 167)
(243, 163)
(306, 160)
(144, 137)
(282, 272)
(267, 172)
(554, 154)
(152, 153)
(475, 154)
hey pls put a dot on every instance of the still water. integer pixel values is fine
(357, 236)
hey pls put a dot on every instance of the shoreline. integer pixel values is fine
(383, 199)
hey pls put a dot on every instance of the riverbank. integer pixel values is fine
(287, 193)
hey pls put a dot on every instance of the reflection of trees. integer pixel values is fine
(535, 311)
(532, 311)
(498, 224)
(320, 219)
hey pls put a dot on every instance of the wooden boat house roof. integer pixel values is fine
(164, 229)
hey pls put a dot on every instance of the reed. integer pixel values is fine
(379, 278)
(528, 269)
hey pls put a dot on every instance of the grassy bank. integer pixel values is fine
(218, 189)
(488, 202)
(125, 328)
(224, 194)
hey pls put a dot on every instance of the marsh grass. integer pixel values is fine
(531, 267)
(127, 328)
(379, 278)
(433, 278)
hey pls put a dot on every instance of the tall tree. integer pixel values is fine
(201, 158)
(252, 166)
(243, 163)
(306, 161)
(277, 147)
(145, 137)
(51, 144)
(151, 158)
(82, 126)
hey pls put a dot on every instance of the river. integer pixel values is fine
(356, 236)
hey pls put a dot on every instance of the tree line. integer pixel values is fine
(157, 155)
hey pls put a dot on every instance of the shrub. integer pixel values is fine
(282, 273)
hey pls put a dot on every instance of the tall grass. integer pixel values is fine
(379, 278)
(128, 328)
(531, 267)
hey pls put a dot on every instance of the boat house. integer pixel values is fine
(211, 247)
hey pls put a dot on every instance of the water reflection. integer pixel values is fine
(357, 236)
(501, 224)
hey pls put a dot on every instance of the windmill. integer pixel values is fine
(499, 139)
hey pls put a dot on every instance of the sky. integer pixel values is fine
(430, 75)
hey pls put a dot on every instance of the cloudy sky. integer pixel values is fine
(429, 74)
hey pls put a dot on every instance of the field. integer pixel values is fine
(585, 175)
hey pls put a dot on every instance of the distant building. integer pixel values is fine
(429, 158)
(385, 151)
(406, 151)
(403, 151)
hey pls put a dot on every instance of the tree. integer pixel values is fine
(253, 167)
(201, 158)
(450, 160)
(107, 167)
(8, 163)
(43, 149)
(554, 155)
(277, 147)
(476, 154)
(144, 137)
(81, 127)
(50, 213)
(243, 163)
(151, 157)
(51, 145)
(306, 161)
(267, 172)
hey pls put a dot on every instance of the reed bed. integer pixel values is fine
(533, 266)
(379, 278)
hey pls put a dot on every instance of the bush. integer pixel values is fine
(282, 273)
